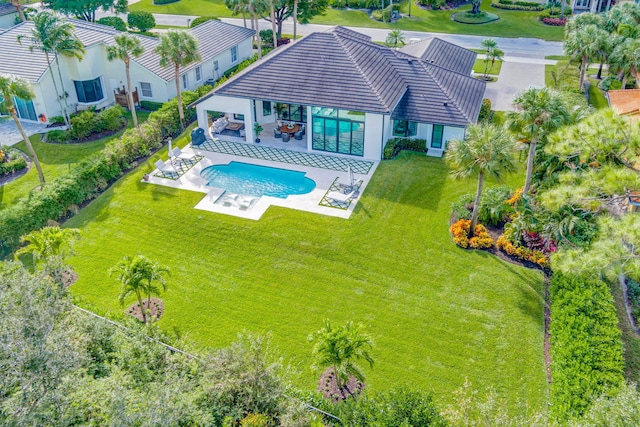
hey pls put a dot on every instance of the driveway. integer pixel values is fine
(516, 75)
(9, 134)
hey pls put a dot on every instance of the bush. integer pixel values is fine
(113, 21)
(555, 22)
(87, 123)
(202, 19)
(141, 21)
(394, 145)
(610, 83)
(383, 15)
(633, 294)
(505, 243)
(462, 208)
(586, 348)
(494, 207)
(158, 2)
(434, 4)
(485, 111)
(460, 234)
(11, 161)
(338, 4)
(517, 5)
(150, 105)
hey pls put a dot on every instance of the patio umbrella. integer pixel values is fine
(352, 178)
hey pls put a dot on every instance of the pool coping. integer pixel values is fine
(324, 179)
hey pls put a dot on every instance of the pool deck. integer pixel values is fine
(313, 165)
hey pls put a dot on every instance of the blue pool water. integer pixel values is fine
(257, 181)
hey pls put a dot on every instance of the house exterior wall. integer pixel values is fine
(8, 20)
(228, 105)
(376, 134)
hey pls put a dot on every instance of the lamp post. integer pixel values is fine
(189, 23)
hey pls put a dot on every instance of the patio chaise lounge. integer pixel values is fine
(166, 169)
(177, 154)
(341, 197)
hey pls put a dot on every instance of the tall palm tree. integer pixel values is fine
(488, 44)
(126, 47)
(256, 8)
(238, 6)
(540, 112)
(295, 19)
(272, 14)
(584, 43)
(65, 43)
(137, 276)
(486, 150)
(494, 54)
(50, 245)
(10, 87)
(44, 25)
(395, 38)
(339, 348)
(180, 49)
(18, 6)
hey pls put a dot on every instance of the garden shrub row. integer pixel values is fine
(554, 22)
(586, 346)
(354, 4)
(394, 145)
(164, 1)
(460, 234)
(151, 105)
(517, 5)
(87, 123)
(89, 178)
(113, 21)
(202, 19)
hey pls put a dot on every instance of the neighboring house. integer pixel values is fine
(442, 53)
(594, 6)
(8, 14)
(352, 94)
(93, 80)
(625, 102)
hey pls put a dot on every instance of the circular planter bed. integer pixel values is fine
(156, 309)
(329, 388)
(466, 17)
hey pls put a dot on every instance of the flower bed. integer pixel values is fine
(554, 22)
(521, 252)
(460, 233)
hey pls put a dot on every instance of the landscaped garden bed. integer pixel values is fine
(13, 164)
(90, 125)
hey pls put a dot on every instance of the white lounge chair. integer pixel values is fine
(162, 167)
(341, 197)
(179, 155)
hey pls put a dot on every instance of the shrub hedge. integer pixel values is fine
(11, 161)
(113, 21)
(394, 145)
(517, 5)
(91, 176)
(151, 105)
(586, 347)
(485, 111)
(202, 19)
(141, 21)
(165, 1)
(89, 122)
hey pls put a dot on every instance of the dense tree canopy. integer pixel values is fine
(86, 9)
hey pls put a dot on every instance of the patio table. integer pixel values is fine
(286, 129)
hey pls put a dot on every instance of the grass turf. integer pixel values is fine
(511, 23)
(439, 314)
(479, 65)
(56, 160)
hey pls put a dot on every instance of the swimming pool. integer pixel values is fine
(257, 181)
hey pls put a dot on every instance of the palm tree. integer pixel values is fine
(295, 19)
(541, 112)
(272, 14)
(584, 43)
(126, 47)
(494, 54)
(395, 38)
(626, 57)
(65, 43)
(238, 6)
(339, 348)
(488, 44)
(137, 276)
(50, 245)
(180, 49)
(255, 10)
(14, 87)
(16, 4)
(486, 150)
(44, 25)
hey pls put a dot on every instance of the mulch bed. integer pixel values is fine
(156, 310)
(7, 178)
(328, 386)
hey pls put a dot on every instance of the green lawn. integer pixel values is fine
(56, 160)
(511, 23)
(478, 67)
(439, 314)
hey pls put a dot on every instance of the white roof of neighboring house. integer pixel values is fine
(214, 37)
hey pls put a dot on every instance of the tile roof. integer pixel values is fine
(625, 102)
(7, 9)
(214, 37)
(445, 54)
(344, 69)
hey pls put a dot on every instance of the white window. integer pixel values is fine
(234, 54)
(215, 65)
(146, 90)
(185, 82)
(198, 74)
